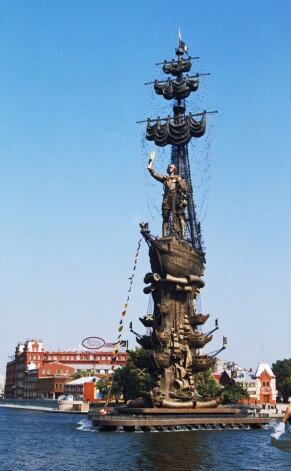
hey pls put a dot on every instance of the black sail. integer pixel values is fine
(177, 68)
(176, 89)
(175, 134)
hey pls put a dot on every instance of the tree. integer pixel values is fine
(80, 374)
(132, 381)
(282, 371)
(103, 385)
(206, 385)
(234, 392)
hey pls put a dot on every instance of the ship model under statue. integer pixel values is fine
(174, 341)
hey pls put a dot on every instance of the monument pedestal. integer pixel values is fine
(154, 419)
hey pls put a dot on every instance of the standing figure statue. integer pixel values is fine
(174, 199)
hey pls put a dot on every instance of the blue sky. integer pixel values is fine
(73, 185)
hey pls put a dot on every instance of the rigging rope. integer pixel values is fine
(114, 354)
(200, 172)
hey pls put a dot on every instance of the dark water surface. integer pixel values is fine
(47, 441)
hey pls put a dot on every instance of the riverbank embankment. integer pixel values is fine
(41, 409)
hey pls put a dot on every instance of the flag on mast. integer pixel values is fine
(182, 45)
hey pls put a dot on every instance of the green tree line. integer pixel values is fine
(282, 371)
(133, 382)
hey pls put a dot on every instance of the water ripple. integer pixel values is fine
(58, 442)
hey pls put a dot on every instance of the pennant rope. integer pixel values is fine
(120, 327)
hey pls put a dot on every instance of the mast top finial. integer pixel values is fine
(181, 46)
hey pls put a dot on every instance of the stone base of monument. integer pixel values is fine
(135, 419)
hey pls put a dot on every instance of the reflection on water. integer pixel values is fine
(193, 450)
(175, 449)
(57, 442)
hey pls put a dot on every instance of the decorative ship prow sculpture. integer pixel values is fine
(177, 258)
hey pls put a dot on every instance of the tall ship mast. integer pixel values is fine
(177, 257)
(178, 130)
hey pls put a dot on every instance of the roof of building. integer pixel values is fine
(107, 348)
(84, 379)
(262, 367)
(93, 366)
(244, 377)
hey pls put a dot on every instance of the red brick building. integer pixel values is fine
(265, 384)
(47, 383)
(31, 364)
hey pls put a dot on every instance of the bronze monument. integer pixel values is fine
(174, 341)
(177, 258)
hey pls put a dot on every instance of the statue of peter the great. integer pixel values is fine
(174, 199)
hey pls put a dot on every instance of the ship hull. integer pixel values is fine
(202, 363)
(174, 257)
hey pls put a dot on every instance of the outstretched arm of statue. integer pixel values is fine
(157, 176)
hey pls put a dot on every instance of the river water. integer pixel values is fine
(31, 440)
